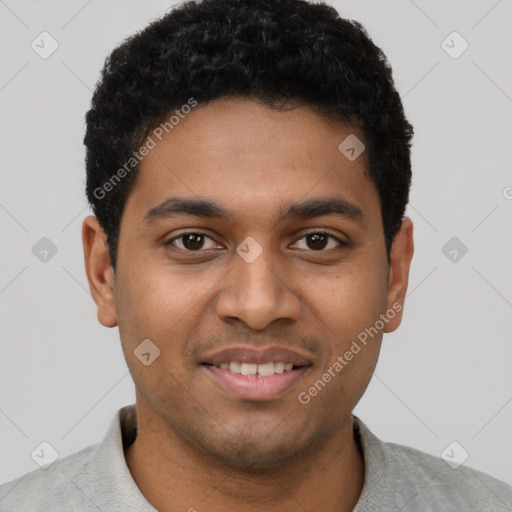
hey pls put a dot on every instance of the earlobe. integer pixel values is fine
(100, 273)
(402, 251)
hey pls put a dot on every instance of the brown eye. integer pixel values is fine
(319, 241)
(193, 241)
(190, 241)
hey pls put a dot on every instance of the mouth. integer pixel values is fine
(257, 375)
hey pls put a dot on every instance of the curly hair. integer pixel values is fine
(280, 52)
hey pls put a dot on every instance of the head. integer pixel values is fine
(228, 212)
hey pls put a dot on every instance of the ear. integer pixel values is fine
(402, 250)
(100, 273)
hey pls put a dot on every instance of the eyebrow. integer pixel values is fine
(311, 208)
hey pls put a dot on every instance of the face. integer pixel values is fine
(250, 238)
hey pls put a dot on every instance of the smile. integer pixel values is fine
(257, 382)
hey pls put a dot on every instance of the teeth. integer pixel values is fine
(263, 369)
(248, 369)
(266, 369)
(234, 366)
(279, 367)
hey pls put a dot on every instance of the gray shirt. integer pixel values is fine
(397, 478)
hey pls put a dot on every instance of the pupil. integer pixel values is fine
(315, 238)
(193, 241)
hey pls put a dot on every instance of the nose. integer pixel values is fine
(258, 292)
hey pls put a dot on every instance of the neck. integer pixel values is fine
(173, 476)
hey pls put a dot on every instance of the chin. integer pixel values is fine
(257, 452)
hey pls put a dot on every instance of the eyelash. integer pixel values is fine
(170, 242)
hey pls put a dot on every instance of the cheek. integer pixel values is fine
(349, 304)
(351, 300)
(142, 307)
(162, 303)
(152, 304)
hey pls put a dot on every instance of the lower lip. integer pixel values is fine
(252, 387)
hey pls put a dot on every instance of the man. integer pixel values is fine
(248, 164)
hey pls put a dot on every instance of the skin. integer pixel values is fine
(199, 446)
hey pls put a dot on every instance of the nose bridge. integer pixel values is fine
(259, 277)
(257, 292)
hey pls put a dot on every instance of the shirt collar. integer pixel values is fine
(375, 485)
(114, 484)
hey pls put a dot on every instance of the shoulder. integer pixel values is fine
(441, 485)
(403, 478)
(95, 478)
(47, 489)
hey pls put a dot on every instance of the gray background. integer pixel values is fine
(443, 377)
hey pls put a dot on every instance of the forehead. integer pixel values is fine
(251, 158)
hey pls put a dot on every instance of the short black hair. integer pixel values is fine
(279, 52)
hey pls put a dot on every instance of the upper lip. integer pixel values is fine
(257, 356)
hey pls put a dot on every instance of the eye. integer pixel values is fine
(319, 241)
(192, 241)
